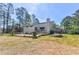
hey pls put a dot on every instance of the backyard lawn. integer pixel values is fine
(12, 45)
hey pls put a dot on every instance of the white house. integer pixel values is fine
(43, 27)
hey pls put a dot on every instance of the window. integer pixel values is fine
(42, 28)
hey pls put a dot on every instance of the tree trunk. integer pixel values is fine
(4, 23)
(8, 15)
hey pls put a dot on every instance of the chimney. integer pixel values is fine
(48, 19)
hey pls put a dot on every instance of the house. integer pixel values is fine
(44, 27)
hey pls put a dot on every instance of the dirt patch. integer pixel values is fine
(53, 48)
(41, 48)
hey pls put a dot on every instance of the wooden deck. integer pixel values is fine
(27, 35)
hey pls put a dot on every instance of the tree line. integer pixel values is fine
(9, 24)
(70, 24)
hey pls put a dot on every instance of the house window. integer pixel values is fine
(42, 28)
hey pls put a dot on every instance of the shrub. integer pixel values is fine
(34, 35)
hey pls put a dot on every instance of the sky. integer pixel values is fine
(55, 11)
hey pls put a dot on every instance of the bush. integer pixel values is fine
(34, 35)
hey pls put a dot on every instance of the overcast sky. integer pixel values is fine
(55, 11)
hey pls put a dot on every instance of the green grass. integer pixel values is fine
(67, 39)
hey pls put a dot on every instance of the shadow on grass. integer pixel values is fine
(57, 35)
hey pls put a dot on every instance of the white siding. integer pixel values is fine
(28, 29)
(46, 25)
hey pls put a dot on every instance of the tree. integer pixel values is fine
(24, 17)
(10, 10)
(5, 15)
(66, 24)
(76, 14)
(27, 21)
(20, 13)
(2, 15)
(75, 25)
(35, 20)
(70, 25)
(17, 28)
(53, 27)
(75, 21)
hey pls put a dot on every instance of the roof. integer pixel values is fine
(46, 22)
